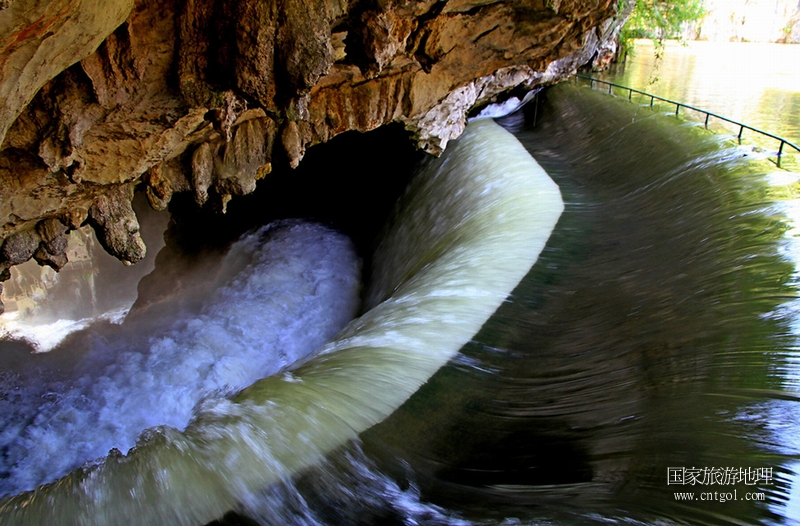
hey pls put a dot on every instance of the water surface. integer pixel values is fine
(753, 83)
(658, 330)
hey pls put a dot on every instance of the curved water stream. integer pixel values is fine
(468, 229)
(658, 329)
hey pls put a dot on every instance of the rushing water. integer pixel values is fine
(467, 230)
(285, 291)
(656, 334)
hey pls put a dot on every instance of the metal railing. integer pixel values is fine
(678, 105)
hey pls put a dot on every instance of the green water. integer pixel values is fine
(465, 233)
(656, 334)
(752, 83)
(656, 331)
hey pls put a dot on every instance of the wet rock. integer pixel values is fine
(196, 96)
(116, 226)
(20, 247)
(53, 234)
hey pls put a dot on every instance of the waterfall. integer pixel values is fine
(469, 227)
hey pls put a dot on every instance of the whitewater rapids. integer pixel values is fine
(469, 227)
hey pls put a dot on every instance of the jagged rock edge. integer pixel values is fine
(230, 156)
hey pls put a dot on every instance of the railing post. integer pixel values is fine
(708, 114)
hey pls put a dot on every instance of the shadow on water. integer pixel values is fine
(647, 327)
(654, 332)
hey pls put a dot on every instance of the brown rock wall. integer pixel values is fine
(41, 38)
(204, 96)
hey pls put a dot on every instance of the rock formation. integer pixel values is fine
(204, 96)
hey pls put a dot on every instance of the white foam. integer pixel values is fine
(466, 232)
(44, 337)
(500, 109)
(782, 178)
(294, 292)
(505, 108)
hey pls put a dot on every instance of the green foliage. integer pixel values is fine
(661, 19)
(658, 20)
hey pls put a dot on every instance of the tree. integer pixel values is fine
(658, 20)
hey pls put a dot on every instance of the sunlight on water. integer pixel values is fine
(755, 84)
(46, 336)
(759, 85)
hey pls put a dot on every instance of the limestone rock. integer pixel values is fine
(41, 38)
(52, 250)
(20, 247)
(116, 226)
(53, 234)
(205, 96)
(54, 261)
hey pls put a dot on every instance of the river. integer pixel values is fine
(754, 83)
(643, 371)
